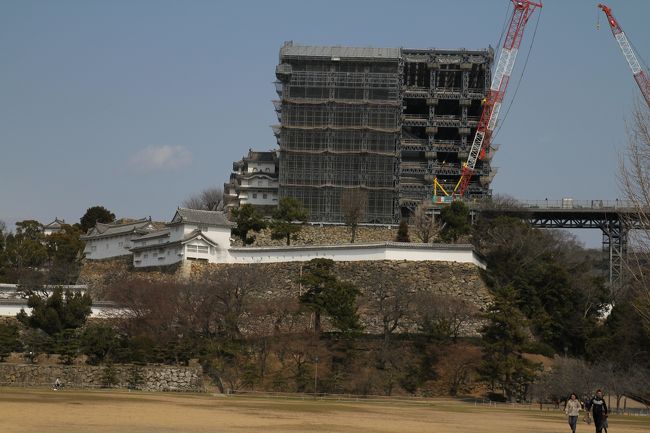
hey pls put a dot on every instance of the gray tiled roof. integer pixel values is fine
(104, 230)
(207, 217)
(258, 156)
(154, 234)
(186, 238)
(56, 224)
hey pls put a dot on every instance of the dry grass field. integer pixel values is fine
(70, 411)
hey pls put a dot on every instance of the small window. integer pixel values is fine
(120, 244)
(202, 249)
(154, 254)
(137, 254)
(254, 195)
(146, 255)
(267, 169)
(264, 195)
(191, 248)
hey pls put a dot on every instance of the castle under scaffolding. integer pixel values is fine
(386, 120)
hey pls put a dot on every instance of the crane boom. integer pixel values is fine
(492, 102)
(640, 76)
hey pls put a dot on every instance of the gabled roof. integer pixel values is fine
(258, 156)
(198, 234)
(102, 230)
(56, 224)
(189, 237)
(153, 235)
(204, 217)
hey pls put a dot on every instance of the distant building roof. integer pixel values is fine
(56, 224)
(194, 216)
(194, 234)
(291, 50)
(256, 156)
(102, 230)
(153, 235)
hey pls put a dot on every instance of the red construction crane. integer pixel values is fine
(639, 74)
(523, 9)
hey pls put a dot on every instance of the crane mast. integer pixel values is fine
(523, 9)
(640, 76)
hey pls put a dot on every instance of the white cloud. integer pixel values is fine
(161, 158)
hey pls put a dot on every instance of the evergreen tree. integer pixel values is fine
(326, 295)
(403, 232)
(56, 312)
(9, 340)
(25, 249)
(504, 337)
(100, 343)
(94, 215)
(67, 345)
(247, 219)
(455, 221)
(287, 219)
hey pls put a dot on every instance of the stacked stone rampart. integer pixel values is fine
(146, 378)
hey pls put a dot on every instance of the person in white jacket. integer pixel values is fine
(572, 409)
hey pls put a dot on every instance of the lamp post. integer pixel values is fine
(315, 376)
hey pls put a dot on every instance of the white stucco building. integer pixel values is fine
(191, 235)
(205, 236)
(105, 241)
(254, 180)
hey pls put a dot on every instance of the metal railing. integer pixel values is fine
(569, 203)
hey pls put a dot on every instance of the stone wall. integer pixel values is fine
(146, 378)
(461, 280)
(279, 282)
(326, 235)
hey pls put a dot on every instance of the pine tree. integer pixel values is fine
(403, 232)
(504, 336)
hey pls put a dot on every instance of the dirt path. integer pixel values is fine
(27, 411)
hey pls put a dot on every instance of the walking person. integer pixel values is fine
(599, 411)
(572, 409)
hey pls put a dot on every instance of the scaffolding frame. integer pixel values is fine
(387, 121)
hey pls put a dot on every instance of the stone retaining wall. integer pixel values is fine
(326, 235)
(146, 378)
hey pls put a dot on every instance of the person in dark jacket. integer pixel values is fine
(599, 410)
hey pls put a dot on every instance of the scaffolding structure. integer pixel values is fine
(384, 120)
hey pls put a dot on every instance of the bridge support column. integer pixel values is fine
(615, 235)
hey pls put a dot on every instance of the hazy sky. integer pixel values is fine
(135, 104)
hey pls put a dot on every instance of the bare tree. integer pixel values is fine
(423, 222)
(229, 290)
(208, 199)
(353, 206)
(390, 299)
(443, 316)
(635, 182)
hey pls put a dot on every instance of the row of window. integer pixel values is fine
(201, 249)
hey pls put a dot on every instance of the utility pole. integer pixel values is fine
(316, 376)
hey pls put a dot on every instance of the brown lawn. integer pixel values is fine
(70, 411)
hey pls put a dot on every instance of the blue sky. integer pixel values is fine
(135, 104)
